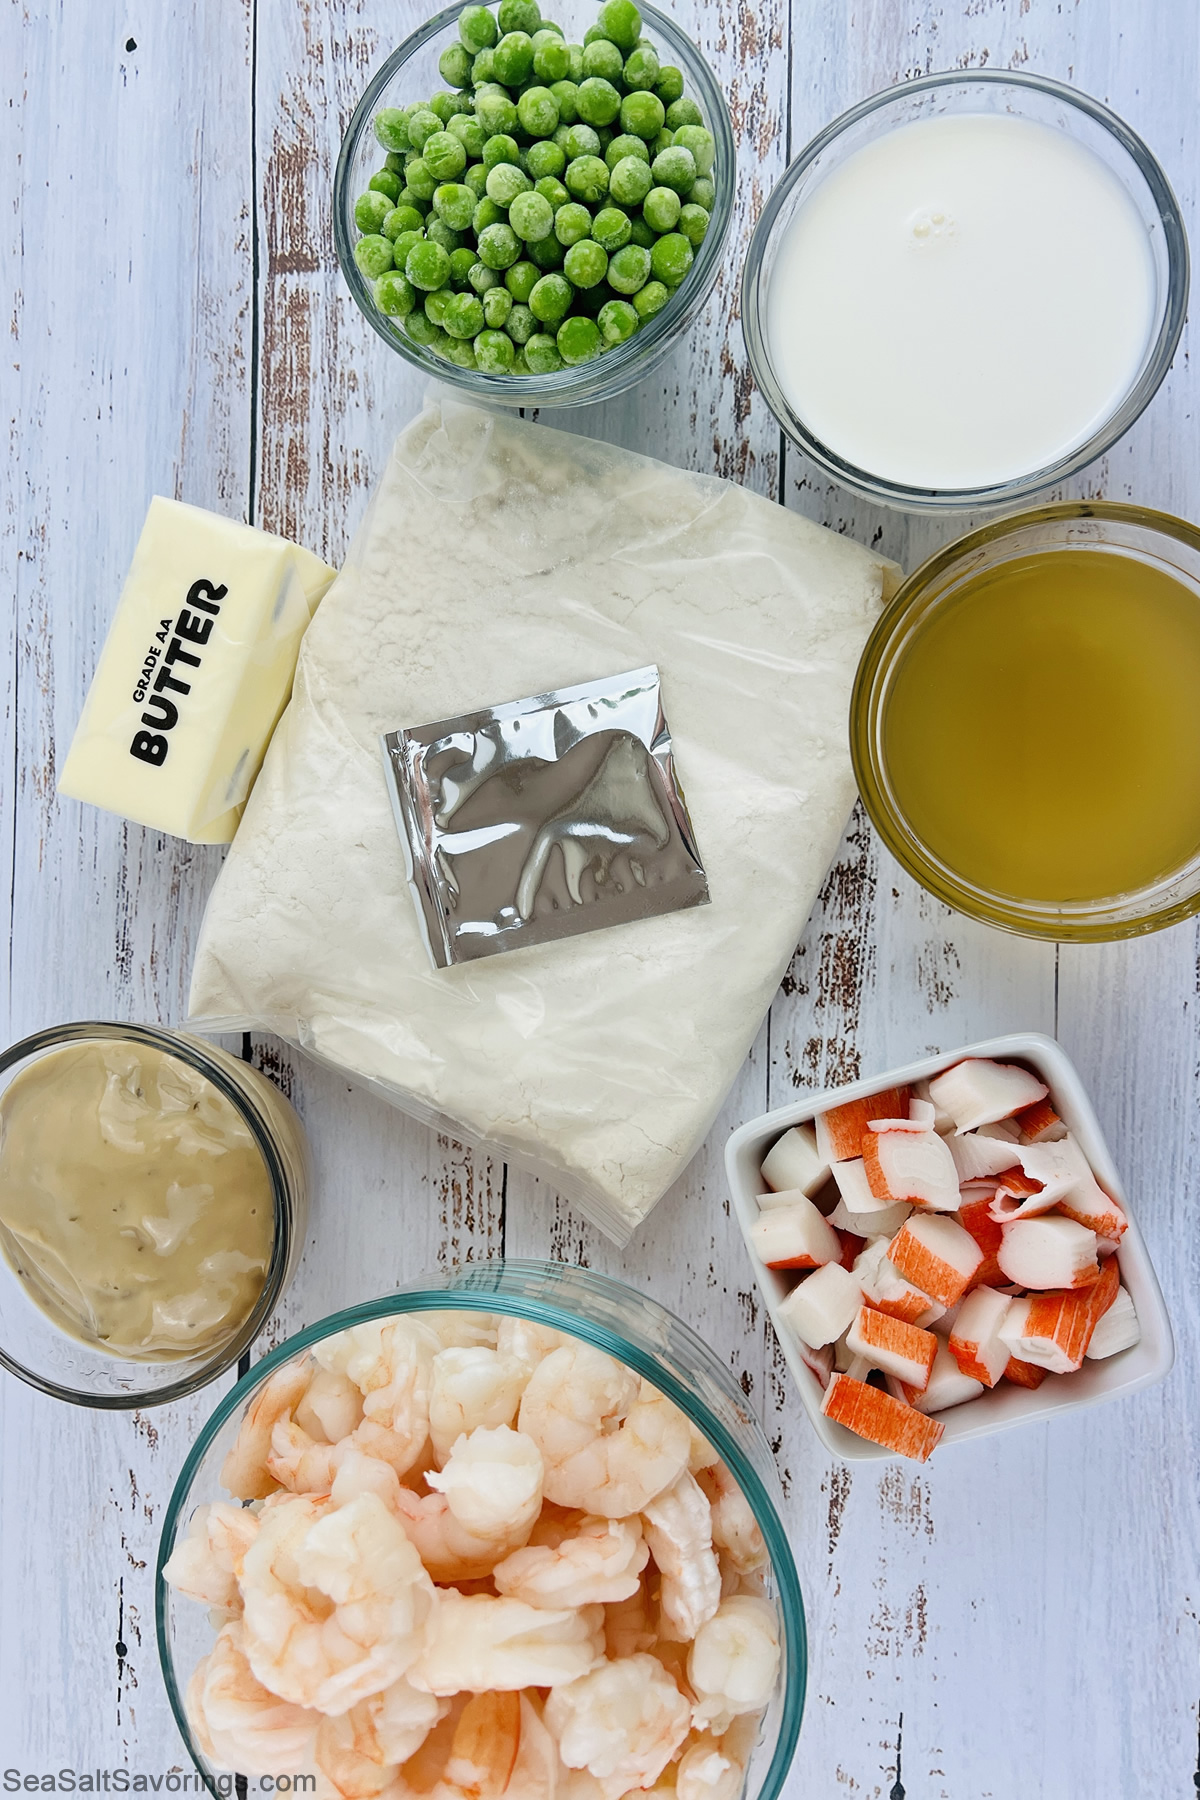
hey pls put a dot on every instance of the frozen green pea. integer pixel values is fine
(477, 28)
(605, 134)
(617, 321)
(497, 304)
(641, 233)
(370, 210)
(514, 58)
(520, 366)
(630, 181)
(642, 115)
(590, 300)
(486, 213)
(460, 353)
(420, 179)
(693, 222)
(545, 158)
(703, 193)
(475, 178)
(483, 69)
(553, 190)
(520, 15)
(505, 182)
(394, 294)
(566, 94)
(391, 128)
(422, 123)
(572, 222)
(483, 279)
(521, 279)
(454, 204)
(664, 141)
(671, 258)
(386, 181)
(683, 111)
(669, 86)
(401, 218)
(449, 106)
(674, 168)
(462, 261)
(598, 101)
(587, 178)
(580, 140)
(439, 232)
(551, 299)
(373, 254)
(623, 146)
(602, 58)
(444, 156)
(629, 269)
(611, 228)
(641, 70)
(621, 21)
(700, 142)
(537, 110)
(576, 51)
(436, 304)
(499, 246)
(541, 354)
(650, 299)
(463, 316)
(407, 197)
(454, 65)
(547, 253)
(403, 244)
(593, 33)
(494, 352)
(531, 217)
(495, 111)
(520, 324)
(552, 61)
(547, 33)
(394, 160)
(501, 149)
(578, 340)
(469, 132)
(585, 263)
(661, 208)
(421, 328)
(427, 265)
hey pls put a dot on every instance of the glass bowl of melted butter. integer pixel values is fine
(153, 1204)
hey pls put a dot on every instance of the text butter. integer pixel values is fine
(195, 673)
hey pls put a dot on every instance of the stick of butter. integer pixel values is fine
(195, 673)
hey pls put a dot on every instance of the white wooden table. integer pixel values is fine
(1018, 1621)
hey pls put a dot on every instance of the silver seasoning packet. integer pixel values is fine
(542, 818)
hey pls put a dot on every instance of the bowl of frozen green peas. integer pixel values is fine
(536, 209)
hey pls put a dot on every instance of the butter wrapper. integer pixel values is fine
(543, 818)
(195, 673)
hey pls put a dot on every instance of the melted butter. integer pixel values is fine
(135, 1205)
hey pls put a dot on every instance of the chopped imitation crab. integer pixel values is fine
(947, 1386)
(911, 1165)
(1048, 1252)
(794, 1161)
(887, 1290)
(823, 1306)
(841, 1130)
(978, 1091)
(937, 1255)
(1039, 1123)
(975, 1217)
(904, 1351)
(855, 1189)
(795, 1237)
(885, 1222)
(1023, 1374)
(975, 1342)
(1117, 1329)
(1054, 1330)
(879, 1416)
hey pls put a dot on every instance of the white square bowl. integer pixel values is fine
(1144, 1363)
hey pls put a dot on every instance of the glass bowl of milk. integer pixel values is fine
(965, 289)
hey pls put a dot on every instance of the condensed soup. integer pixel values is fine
(962, 302)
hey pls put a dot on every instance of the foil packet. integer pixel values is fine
(543, 818)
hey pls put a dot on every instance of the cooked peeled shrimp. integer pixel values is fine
(390, 1362)
(359, 1750)
(734, 1661)
(472, 1386)
(486, 1501)
(535, 1772)
(629, 1625)
(623, 1723)
(715, 1768)
(238, 1723)
(734, 1527)
(609, 1445)
(480, 1643)
(483, 1754)
(456, 1329)
(244, 1472)
(206, 1563)
(528, 1342)
(337, 1603)
(330, 1408)
(678, 1525)
(599, 1561)
(701, 1455)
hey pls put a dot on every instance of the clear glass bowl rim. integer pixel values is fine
(187, 1050)
(604, 376)
(887, 637)
(467, 1289)
(1158, 360)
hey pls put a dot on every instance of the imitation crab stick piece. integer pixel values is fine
(904, 1351)
(1054, 1331)
(884, 1222)
(888, 1291)
(942, 1122)
(853, 1244)
(1039, 1122)
(1023, 1374)
(824, 1305)
(937, 1255)
(1048, 1253)
(948, 1386)
(794, 1161)
(977, 1157)
(881, 1418)
(911, 1165)
(795, 1237)
(975, 1341)
(855, 1189)
(1116, 1329)
(840, 1131)
(921, 1114)
(978, 1091)
(975, 1216)
(1020, 1196)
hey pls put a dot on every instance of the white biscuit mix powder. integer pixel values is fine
(500, 559)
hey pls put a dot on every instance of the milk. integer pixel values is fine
(962, 302)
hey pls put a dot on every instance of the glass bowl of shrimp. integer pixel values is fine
(509, 1533)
